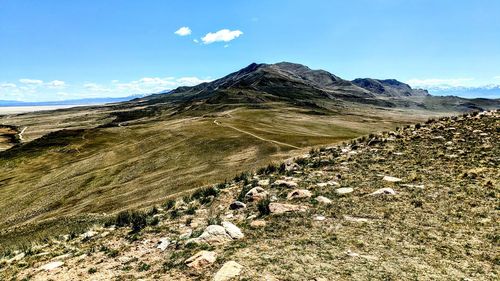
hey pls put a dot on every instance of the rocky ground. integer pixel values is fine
(419, 203)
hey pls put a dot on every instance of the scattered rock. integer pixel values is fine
(61, 257)
(232, 230)
(299, 193)
(51, 265)
(391, 179)
(385, 191)
(344, 190)
(285, 183)
(319, 218)
(17, 257)
(237, 205)
(186, 234)
(323, 200)
(201, 259)
(213, 234)
(263, 182)
(87, 235)
(228, 271)
(356, 219)
(258, 223)
(163, 244)
(256, 194)
(278, 208)
(325, 184)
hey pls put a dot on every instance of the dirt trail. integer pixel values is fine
(255, 136)
(21, 133)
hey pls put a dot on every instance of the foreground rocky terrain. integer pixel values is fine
(418, 203)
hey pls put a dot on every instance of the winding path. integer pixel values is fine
(255, 136)
(21, 133)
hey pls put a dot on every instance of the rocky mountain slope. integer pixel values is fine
(419, 202)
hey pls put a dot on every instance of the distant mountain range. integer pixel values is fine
(488, 91)
(69, 102)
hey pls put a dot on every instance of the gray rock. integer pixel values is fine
(228, 271)
(232, 230)
(344, 190)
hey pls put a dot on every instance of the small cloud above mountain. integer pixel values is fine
(183, 31)
(223, 35)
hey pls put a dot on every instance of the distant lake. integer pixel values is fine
(4, 110)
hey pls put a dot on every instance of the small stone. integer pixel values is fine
(319, 218)
(228, 271)
(163, 244)
(256, 194)
(232, 230)
(61, 257)
(391, 179)
(51, 265)
(299, 193)
(258, 223)
(323, 200)
(88, 235)
(236, 205)
(344, 190)
(186, 234)
(385, 191)
(284, 183)
(17, 257)
(263, 182)
(201, 259)
(356, 219)
(278, 208)
(325, 184)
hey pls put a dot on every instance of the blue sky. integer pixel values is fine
(53, 50)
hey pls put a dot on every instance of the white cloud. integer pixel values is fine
(223, 35)
(196, 41)
(440, 83)
(183, 31)
(93, 87)
(8, 85)
(191, 81)
(31, 81)
(497, 77)
(56, 84)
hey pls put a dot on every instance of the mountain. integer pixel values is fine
(69, 102)
(298, 84)
(389, 88)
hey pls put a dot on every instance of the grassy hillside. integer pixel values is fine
(146, 156)
(418, 203)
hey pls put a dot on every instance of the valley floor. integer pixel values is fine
(417, 203)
